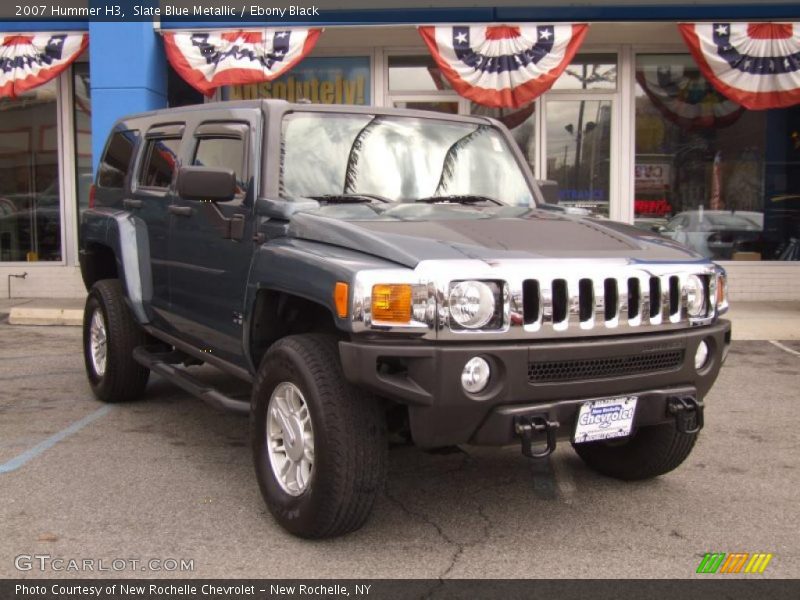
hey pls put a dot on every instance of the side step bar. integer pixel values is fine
(164, 363)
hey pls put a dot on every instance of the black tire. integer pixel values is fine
(350, 443)
(652, 451)
(123, 379)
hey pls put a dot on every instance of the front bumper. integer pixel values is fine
(427, 378)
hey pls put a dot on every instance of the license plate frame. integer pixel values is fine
(605, 419)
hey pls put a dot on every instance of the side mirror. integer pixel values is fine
(550, 191)
(206, 183)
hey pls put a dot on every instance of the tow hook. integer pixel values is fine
(526, 427)
(688, 413)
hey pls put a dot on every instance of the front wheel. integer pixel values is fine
(110, 333)
(650, 452)
(319, 444)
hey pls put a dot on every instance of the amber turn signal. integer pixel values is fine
(341, 294)
(722, 290)
(391, 303)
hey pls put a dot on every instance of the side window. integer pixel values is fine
(223, 153)
(116, 161)
(160, 162)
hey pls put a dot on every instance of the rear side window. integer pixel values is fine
(222, 153)
(160, 162)
(116, 161)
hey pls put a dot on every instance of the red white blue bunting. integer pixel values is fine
(692, 103)
(503, 65)
(209, 59)
(754, 64)
(28, 61)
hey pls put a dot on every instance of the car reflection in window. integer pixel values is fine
(717, 234)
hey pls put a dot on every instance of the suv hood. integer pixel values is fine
(535, 235)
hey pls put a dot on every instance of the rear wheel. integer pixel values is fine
(110, 333)
(650, 452)
(319, 444)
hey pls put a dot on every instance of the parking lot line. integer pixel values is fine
(18, 461)
(784, 348)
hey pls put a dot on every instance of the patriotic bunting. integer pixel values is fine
(690, 102)
(754, 64)
(207, 60)
(502, 65)
(28, 61)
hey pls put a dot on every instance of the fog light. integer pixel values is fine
(475, 376)
(701, 356)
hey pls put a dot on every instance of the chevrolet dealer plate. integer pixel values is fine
(605, 419)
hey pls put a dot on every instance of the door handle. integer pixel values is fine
(131, 204)
(181, 211)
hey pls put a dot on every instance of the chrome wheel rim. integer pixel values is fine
(290, 438)
(98, 343)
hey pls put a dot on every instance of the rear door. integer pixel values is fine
(151, 195)
(212, 242)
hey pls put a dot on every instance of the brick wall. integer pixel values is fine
(763, 280)
(42, 282)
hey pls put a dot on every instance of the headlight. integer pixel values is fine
(695, 296)
(472, 303)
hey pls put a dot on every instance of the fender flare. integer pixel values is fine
(126, 235)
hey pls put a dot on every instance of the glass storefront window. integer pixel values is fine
(30, 199)
(418, 73)
(82, 119)
(711, 174)
(579, 153)
(589, 72)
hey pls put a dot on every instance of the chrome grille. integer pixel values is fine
(548, 298)
(589, 303)
(604, 368)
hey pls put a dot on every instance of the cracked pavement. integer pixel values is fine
(168, 477)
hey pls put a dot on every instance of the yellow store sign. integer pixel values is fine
(341, 80)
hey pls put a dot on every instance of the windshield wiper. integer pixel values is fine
(349, 198)
(458, 199)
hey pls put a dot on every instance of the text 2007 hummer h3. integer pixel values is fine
(364, 267)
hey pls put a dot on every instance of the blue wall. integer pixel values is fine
(128, 75)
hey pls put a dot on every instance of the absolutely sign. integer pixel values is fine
(322, 80)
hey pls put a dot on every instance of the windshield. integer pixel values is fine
(398, 159)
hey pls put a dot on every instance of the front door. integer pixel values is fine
(211, 243)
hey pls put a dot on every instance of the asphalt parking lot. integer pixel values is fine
(170, 478)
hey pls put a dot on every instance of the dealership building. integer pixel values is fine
(632, 128)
